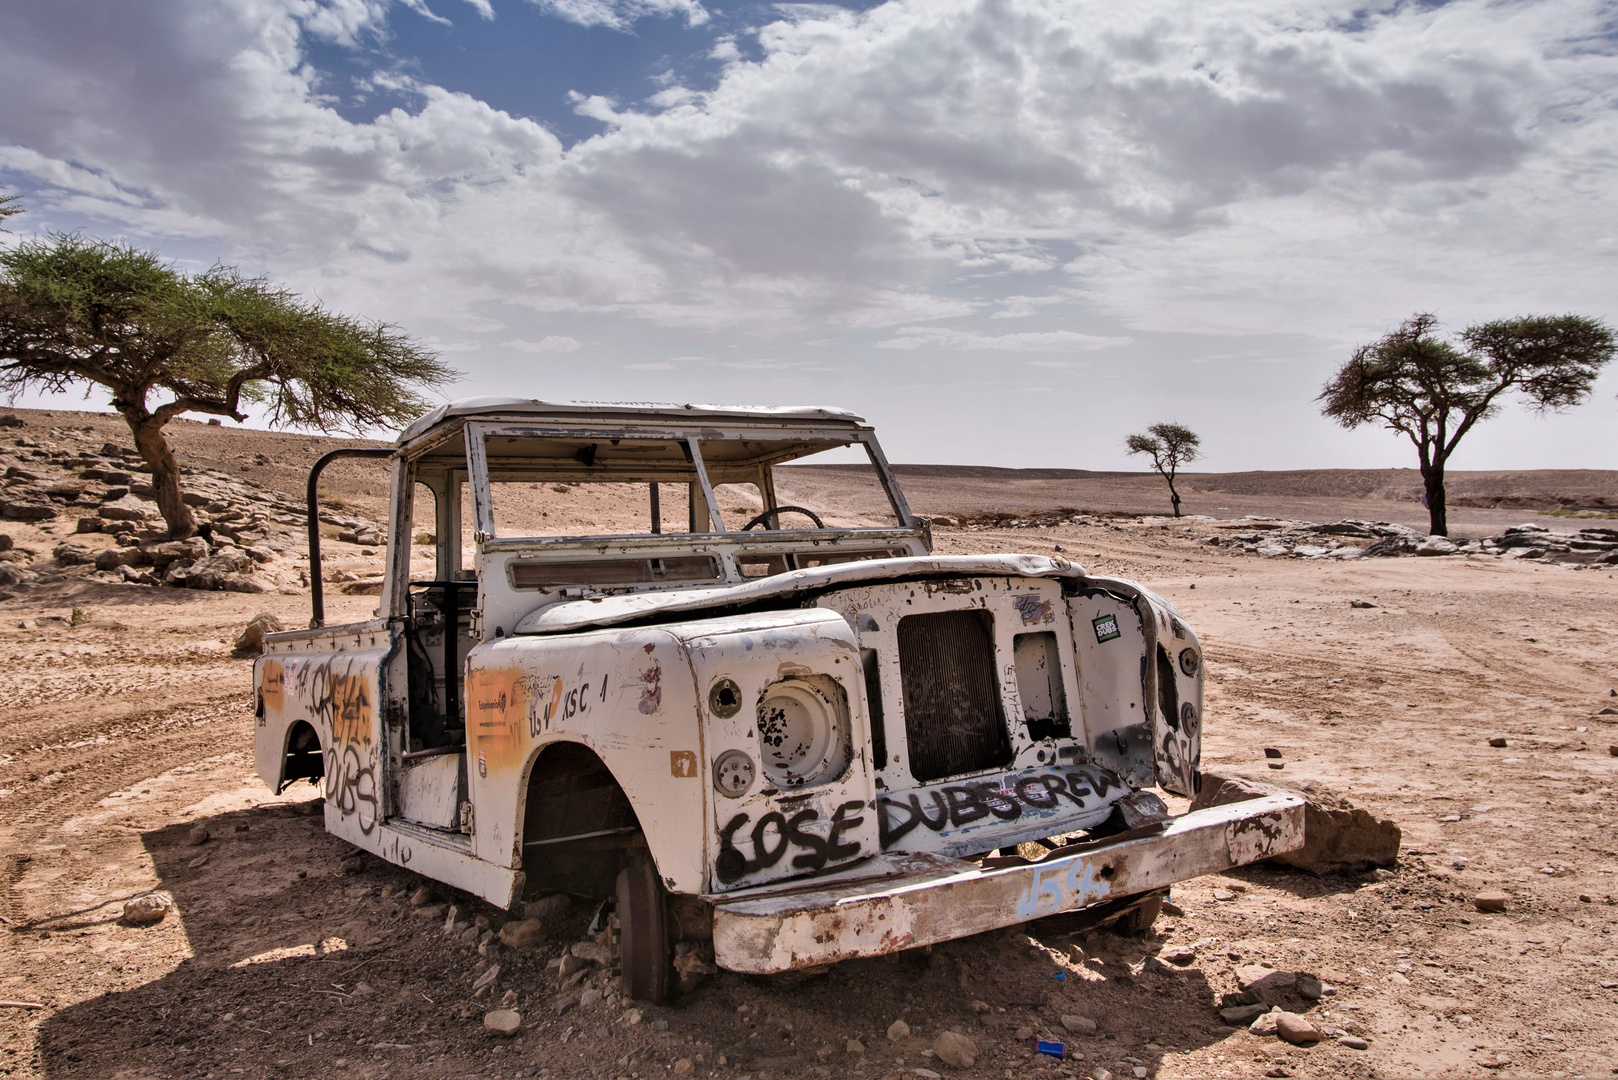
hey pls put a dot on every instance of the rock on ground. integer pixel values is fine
(522, 933)
(955, 1049)
(1079, 1025)
(1338, 836)
(1296, 1029)
(898, 1031)
(147, 910)
(251, 640)
(502, 1022)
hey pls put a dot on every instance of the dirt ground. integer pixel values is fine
(126, 730)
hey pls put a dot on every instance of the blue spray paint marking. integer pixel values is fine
(1062, 888)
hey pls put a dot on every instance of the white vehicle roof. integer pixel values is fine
(628, 410)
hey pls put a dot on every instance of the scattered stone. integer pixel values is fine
(571, 965)
(1265, 1023)
(1490, 901)
(854, 1046)
(1179, 956)
(1310, 987)
(1271, 752)
(354, 864)
(1338, 836)
(565, 1002)
(632, 1017)
(198, 836)
(1224, 895)
(502, 1022)
(593, 951)
(1172, 909)
(1437, 545)
(1267, 983)
(487, 978)
(1236, 1015)
(1361, 604)
(546, 907)
(588, 997)
(1498, 741)
(898, 1031)
(423, 897)
(74, 554)
(522, 933)
(1296, 1029)
(955, 1049)
(1079, 1025)
(363, 990)
(1353, 1042)
(147, 910)
(251, 640)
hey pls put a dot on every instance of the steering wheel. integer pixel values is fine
(764, 518)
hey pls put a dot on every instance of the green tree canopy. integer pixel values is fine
(1170, 446)
(76, 310)
(1434, 391)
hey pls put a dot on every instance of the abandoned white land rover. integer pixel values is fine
(748, 722)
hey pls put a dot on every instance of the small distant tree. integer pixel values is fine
(78, 311)
(1415, 382)
(1170, 446)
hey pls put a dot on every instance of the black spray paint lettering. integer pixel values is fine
(962, 804)
(774, 834)
(351, 788)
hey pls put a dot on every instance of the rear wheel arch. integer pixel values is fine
(303, 757)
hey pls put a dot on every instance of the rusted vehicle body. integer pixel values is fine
(790, 740)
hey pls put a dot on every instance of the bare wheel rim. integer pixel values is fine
(643, 938)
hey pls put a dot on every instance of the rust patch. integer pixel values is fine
(683, 764)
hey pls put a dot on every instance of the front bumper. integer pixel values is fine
(904, 901)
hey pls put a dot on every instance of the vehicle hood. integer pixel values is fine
(630, 607)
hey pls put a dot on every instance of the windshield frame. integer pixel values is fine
(810, 439)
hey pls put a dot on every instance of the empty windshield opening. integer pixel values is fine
(546, 486)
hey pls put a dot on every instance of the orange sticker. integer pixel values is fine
(496, 706)
(272, 686)
(682, 763)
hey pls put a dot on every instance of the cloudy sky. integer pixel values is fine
(1007, 231)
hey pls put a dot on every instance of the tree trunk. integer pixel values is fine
(154, 448)
(1174, 497)
(1437, 517)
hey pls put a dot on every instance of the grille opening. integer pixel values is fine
(1039, 684)
(954, 722)
(873, 703)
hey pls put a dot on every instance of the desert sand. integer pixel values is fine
(130, 724)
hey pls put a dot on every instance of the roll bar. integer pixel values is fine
(317, 589)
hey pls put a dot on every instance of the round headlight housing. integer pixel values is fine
(803, 731)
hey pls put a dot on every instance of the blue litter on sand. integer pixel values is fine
(1054, 1049)
(1059, 975)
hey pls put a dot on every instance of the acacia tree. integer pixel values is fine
(1170, 445)
(76, 311)
(1434, 392)
(6, 207)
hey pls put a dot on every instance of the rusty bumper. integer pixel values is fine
(904, 901)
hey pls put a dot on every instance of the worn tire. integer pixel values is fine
(645, 955)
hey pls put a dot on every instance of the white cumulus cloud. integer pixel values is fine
(918, 337)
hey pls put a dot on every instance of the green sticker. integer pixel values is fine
(1106, 627)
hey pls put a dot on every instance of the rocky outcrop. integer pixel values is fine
(1339, 837)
